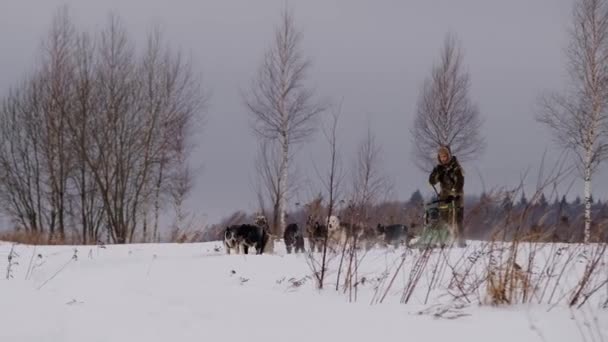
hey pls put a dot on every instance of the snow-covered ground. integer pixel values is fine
(195, 292)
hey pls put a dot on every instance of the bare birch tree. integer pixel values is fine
(282, 107)
(175, 105)
(445, 113)
(578, 117)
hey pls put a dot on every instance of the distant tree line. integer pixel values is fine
(499, 217)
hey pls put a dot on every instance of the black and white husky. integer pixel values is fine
(239, 238)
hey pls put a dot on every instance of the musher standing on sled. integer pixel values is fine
(448, 173)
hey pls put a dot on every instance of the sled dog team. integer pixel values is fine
(241, 238)
(448, 173)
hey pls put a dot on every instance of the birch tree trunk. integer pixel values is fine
(587, 194)
(283, 186)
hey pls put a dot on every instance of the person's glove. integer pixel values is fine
(435, 175)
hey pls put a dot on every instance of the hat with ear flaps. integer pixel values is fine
(446, 150)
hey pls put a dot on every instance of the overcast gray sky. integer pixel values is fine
(373, 54)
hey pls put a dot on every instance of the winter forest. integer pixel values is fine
(100, 158)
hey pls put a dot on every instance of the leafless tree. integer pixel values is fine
(578, 117)
(149, 106)
(148, 118)
(368, 180)
(368, 185)
(282, 107)
(118, 161)
(445, 114)
(174, 99)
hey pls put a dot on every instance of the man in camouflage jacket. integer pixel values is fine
(448, 173)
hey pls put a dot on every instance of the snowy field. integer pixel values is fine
(195, 292)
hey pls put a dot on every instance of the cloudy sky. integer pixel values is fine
(372, 54)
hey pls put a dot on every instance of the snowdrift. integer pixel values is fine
(195, 292)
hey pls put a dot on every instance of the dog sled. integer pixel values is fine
(439, 223)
